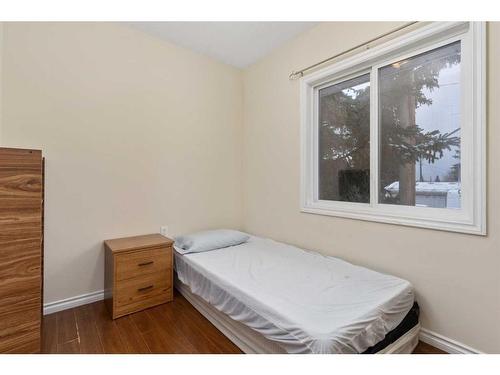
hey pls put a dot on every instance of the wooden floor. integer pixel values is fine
(175, 327)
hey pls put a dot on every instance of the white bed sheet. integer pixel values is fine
(304, 301)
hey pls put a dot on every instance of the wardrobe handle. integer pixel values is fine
(145, 288)
(145, 263)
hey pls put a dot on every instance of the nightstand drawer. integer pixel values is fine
(129, 265)
(141, 292)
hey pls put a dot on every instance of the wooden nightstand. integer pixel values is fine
(138, 273)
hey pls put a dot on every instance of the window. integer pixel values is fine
(344, 141)
(419, 107)
(396, 133)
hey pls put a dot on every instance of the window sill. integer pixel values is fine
(420, 217)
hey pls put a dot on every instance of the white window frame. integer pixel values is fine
(471, 217)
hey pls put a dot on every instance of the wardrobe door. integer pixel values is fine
(20, 250)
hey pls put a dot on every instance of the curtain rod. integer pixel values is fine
(300, 73)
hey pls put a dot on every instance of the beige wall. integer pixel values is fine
(137, 133)
(456, 276)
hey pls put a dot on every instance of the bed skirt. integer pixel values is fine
(252, 342)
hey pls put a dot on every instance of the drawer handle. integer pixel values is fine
(145, 288)
(145, 263)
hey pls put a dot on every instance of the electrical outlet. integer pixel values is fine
(164, 230)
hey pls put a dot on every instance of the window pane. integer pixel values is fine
(344, 135)
(419, 108)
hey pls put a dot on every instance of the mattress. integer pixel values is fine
(409, 322)
(301, 300)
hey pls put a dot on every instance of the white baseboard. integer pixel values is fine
(68, 303)
(444, 343)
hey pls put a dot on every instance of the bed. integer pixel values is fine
(269, 297)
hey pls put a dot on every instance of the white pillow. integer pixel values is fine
(209, 240)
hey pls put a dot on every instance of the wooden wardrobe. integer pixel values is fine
(21, 250)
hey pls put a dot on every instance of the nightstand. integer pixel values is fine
(138, 273)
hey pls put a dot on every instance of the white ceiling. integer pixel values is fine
(236, 43)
